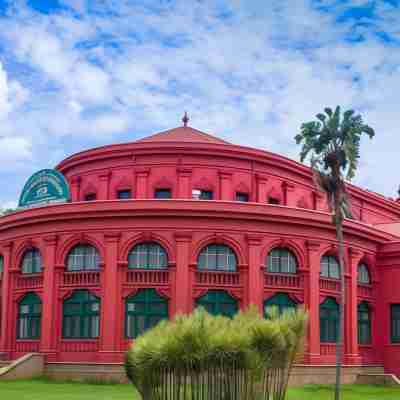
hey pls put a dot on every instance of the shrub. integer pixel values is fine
(204, 357)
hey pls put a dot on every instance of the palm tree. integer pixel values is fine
(333, 144)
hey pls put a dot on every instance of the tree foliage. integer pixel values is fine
(204, 357)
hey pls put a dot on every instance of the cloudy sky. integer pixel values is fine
(75, 74)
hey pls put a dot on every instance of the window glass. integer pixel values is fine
(1, 264)
(218, 302)
(364, 323)
(81, 316)
(162, 194)
(395, 323)
(363, 274)
(91, 197)
(124, 194)
(29, 317)
(32, 262)
(83, 257)
(144, 311)
(281, 260)
(272, 200)
(217, 257)
(206, 195)
(148, 255)
(330, 267)
(242, 196)
(329, 320)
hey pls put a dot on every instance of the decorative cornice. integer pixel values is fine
(254, 239)
(50, 239)
(112, 237)
(313, 245)
(183, 236)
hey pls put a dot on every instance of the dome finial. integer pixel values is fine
(185, 119)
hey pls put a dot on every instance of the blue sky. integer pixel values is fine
(75, 74)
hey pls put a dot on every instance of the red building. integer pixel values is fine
(182, 218)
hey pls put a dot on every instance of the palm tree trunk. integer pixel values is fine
(340, 334)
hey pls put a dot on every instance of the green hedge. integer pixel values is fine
(203, 357)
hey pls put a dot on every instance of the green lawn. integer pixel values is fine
(48, 390)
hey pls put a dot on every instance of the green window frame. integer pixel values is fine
(29, 317)
(217, 257)
(330, 267)
(329, 320)
(242, 196)
(218, 302)
(143, 311)
(81, 316)
(83, 257)
(364, 323)
(148, 255)
(1, 264)
(281, 301)
(124, 194)
(32, 262)
(363, 276)
(281, 261)
(395, 323)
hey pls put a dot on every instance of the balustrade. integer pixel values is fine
(331, 285)
(81, 278)
(29, 281)
(79, 346)
(147, 276)
(215, 278)
(27, 346)
(284, 280)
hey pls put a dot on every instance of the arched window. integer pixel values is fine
(281, 301)
(281, 260)
(81, 316)
(1, 264)
(218, 302)
(29, 317)
(329, 320)
(330, 267)
(83, 257)
(148, 256)
(32, 262)
(363, 275)
(144, 311)
(364, 323)
(217, 257)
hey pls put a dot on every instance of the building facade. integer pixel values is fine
(180, 219)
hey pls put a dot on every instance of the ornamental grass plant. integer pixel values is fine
(204, 357)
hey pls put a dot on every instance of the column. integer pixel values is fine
(104, 188)
(49, 297)
(255, 286)
(184, 187)
(351, 354)
(183, 278)
(110, 304)
(288, 198)
(6, 304)
(262, 189)
(75, 188)
(312, 301)
(225, 184)
(142, 183)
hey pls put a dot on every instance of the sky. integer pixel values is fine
(76, 74)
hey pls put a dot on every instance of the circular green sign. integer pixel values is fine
(45, 186)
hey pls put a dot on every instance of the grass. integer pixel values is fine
(42, 389)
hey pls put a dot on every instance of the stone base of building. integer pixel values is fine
(301, 374)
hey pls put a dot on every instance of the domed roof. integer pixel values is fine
(183, 134)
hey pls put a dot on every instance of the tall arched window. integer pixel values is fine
(281, 260)
(281, 301)
(81, 316)
(330, 267)
(148, 255)
(364, 323)
(83, 257)
(218, 302)
(329, 320)
(32, 262)
(363, 276)
(29, 317)
(143, 311)
(1, 264)
(217, 257)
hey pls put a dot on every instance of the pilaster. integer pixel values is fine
(255, 289)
